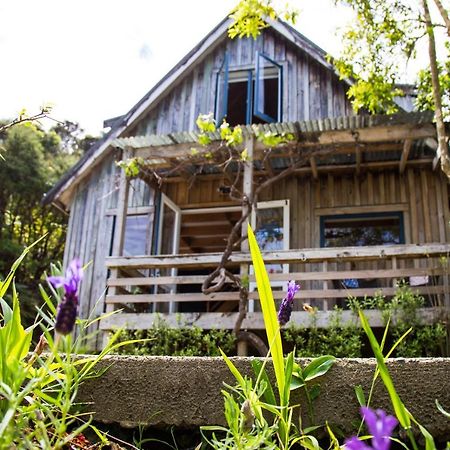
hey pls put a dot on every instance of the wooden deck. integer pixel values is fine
(141, 287)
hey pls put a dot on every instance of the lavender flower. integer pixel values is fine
(67, 308)
(284, 314)
(380, 426)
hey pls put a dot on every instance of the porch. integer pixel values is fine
(145, 295)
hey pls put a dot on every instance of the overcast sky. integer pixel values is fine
(94, 59)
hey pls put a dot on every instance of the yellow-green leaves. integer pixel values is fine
(399, 408)
(269, 313)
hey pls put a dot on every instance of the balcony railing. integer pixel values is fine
(145, 285)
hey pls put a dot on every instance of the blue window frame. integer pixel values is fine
(264, 107)
(358, 230)
(250, 95)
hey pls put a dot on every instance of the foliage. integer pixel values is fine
(131, 166)
(38, 389)
(33, 161)
(162, 340)
(342, 341)
(255, 418)
(249, 17)
(423, 340)
(425, 100)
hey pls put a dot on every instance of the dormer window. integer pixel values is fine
(250, 95)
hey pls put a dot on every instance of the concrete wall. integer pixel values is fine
(185, 392)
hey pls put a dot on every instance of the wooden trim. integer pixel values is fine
(313, 164)
(135, 210)
(254, 321)
(314, 255)
(296, 276)
(277, 295)
(213, 210)
(361, 209)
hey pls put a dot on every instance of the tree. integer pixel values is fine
(32, 161)
(383, 37)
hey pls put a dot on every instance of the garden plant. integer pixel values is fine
(259, 416)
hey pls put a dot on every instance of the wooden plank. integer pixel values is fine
(313, 164)
(370, 192)
(313, 255)
(413, 207)
(361, 209)
(254, 321)
(358, 156)
(405, 154)
(425, 206)
(445, 203)
(440, 210)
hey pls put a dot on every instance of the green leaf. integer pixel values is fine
(296, 382)
(442, 410)
(260, 372)
(314, 392)
(360, 395)
(318, 367)
(269, 313)
(288, 375)
(399, 408)
(233, 369)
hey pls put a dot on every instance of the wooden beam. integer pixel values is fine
(299, 256)
(358, 156)
(313, 164)
(405, 154)
(253, 321)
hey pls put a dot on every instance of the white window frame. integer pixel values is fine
(285, 204)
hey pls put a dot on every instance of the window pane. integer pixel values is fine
(270, 233)
(136, 233)
(267, 103)
(348, 231)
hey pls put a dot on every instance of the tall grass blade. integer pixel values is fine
(269, 313)
(399, 408)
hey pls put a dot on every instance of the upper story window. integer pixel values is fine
(249, 96)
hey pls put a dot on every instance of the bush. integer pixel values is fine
(161, 340)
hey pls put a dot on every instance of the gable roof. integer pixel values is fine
(101, 148)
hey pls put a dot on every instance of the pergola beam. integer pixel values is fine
(405, 154)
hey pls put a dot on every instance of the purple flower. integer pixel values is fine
(284, 314)
(70, 282)
(67, 308)
(380, 426)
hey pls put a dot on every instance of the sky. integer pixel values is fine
(94, 59)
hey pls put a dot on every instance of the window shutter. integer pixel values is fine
(266, 68)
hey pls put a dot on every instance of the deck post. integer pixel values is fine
(119, 231)
(247, 189)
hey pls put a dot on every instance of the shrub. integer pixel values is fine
(161, 340)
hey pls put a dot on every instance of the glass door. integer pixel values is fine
(168, 243)
(270, 222)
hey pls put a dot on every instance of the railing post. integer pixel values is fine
(325, 286)
(247, 189)
(394, 267)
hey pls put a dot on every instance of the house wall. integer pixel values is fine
(310, 91)
(90, 230)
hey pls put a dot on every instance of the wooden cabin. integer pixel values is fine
(368, 206)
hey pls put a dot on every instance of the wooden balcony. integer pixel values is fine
(145, 287)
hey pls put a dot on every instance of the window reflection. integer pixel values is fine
(359, 231)
(136, 235)
(270, 233)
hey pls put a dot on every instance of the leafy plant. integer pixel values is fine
(248, 404)
(38, 389)
(162, 340)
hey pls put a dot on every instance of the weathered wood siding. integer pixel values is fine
(90, 230)
(310, 91)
